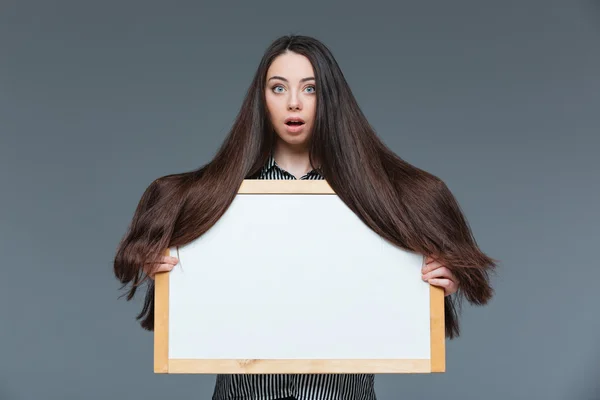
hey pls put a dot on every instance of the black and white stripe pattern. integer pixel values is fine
(293, 386)
(273, 171)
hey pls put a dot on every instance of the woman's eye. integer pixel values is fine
(274, 89)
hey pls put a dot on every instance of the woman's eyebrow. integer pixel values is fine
(310, 78)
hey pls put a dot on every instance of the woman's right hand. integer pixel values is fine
(165, 264)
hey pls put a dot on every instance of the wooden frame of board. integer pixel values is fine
(162, 363)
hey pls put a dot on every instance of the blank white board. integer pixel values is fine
(291, 280)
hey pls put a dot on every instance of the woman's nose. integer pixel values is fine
(294, 103)
(293, 106)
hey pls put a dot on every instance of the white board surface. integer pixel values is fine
(296, 276)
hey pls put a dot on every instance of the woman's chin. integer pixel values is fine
(293, 139)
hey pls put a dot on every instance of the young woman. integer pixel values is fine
(299, 120)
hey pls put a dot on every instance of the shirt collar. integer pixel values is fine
(272, 164)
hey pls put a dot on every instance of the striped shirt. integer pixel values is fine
(298, 386)
(273, 171)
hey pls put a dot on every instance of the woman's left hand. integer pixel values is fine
(438, 275)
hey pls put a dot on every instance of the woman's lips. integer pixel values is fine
(294, 128)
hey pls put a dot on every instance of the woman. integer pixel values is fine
(299, 120)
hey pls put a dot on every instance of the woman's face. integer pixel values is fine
(290, 94)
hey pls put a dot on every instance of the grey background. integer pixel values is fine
(499, 99)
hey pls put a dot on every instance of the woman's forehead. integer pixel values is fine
(290, 66)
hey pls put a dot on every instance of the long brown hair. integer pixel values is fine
(407, 206)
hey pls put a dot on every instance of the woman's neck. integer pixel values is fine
(293, 160)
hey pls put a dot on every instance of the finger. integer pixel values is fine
(161, 268)
(431, 266)
(448, 286)
(164, 268)
(441, 272)
(164, 260)
(170, 260)
(432, 258)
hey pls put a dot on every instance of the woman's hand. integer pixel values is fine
(165, 264)
(438, 275)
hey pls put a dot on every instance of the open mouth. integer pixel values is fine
(294, 121)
